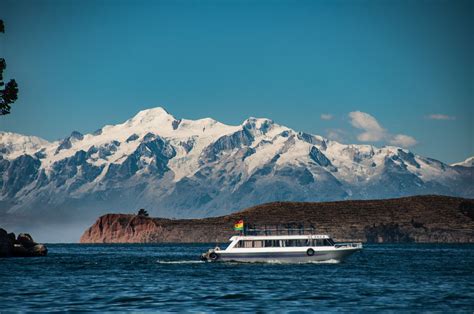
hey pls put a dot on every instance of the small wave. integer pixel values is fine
(329, 261)
(279, 262)
(180, 262)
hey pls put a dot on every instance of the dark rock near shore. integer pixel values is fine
(23, 246)
(6, 244)
(25, 240)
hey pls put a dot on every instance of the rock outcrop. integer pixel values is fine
(22, 246)
(430, 219)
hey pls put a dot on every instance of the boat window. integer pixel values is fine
(289, 243)
(257, 244)
(296, 242)
(331, 242)
(322, 242)
(244, 244)
(272, 243)
(254, 244)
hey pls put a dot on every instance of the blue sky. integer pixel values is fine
(406, 66)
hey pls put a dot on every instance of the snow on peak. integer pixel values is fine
(469, 162)
(158, 114)
(155, 120)
(13, 144)
(257, 123)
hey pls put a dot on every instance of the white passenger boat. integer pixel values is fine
(282, 248)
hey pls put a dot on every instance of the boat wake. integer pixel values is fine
(180, 262)
(329, 261)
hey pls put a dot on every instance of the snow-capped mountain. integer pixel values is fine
(194, 168)
(12, 145)
(469, 162)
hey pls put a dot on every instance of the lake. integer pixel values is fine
(170, 277)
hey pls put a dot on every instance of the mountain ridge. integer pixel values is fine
(468, 162)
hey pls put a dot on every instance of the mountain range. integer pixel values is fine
(199, 168)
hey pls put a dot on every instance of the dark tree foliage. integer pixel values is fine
(8, 91)
(142, 212)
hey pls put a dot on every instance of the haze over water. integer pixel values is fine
(74, 277)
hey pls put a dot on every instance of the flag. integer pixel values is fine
(239, 225)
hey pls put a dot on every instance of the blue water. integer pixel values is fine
(171, 278)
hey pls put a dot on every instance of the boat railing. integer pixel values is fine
(278, 230)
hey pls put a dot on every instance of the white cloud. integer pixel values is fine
(402, 140)
(373, 131)
(439, 116)
(326, 116)
(337, 135)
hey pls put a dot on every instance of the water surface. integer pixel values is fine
(171, 278)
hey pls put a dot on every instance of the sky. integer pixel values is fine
(374, 72)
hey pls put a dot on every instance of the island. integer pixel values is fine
(421, 219)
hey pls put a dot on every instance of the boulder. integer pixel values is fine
(6, 244)
(12, 237)
(20, 251)
(39, 250)
(22, 246)
(26, 240)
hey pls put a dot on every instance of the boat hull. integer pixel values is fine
(335, 255)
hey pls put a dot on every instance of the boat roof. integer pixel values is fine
(281, 237)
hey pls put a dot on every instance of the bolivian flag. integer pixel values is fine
(239, 225)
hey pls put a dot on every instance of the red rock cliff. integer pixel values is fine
(410, 219)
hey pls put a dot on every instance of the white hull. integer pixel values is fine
(336, 255)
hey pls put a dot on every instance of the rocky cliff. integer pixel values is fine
(411, 219)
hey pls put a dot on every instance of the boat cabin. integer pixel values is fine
(280, 241)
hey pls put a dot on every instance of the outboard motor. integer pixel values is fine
(210, 255)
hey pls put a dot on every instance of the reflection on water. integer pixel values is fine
(171, 278)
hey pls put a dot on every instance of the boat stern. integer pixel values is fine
(211, 255)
